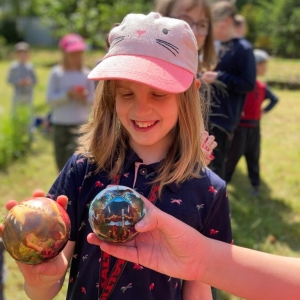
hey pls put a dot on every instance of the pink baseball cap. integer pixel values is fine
(72, 43)
(158, 51)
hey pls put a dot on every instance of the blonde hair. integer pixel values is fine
(222, 10)
(105, 140)
(239, 20)
(209, 58)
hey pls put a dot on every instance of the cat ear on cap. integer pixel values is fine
(151, 49)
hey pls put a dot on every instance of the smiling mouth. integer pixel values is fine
(140, 124)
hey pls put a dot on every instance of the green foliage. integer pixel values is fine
(8, 30)
(286, 33)
(15, 8)
(2, 46)
(274, 26)
(14, 136)
(90, 18)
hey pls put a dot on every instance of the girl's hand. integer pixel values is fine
(208, 144)
(165, 241)
(46, 273)
(27, 81)
(78, 93)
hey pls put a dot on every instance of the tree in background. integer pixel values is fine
(274, 25)
(286, 28)
(9, 11)
(90, 18)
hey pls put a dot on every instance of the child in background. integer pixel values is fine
(144, 134)
(22, 77)
(70, 95)
(246, 139)
(236, 70)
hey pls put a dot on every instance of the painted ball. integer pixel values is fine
(36, 230)
(114, 212)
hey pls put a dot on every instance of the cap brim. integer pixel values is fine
(75, 48)
(148, 70)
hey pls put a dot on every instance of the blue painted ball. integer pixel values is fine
(114, 212)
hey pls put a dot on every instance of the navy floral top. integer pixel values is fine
(201, 203)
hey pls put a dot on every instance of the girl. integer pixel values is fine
(144, 134)
(70, 96)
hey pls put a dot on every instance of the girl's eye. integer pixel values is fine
(126, 95)
(159, 95)
(203, 25)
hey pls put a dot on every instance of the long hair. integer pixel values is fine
(207, 52)
(105, 140)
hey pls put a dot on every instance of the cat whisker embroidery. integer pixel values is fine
(117, 40)
(168, 46)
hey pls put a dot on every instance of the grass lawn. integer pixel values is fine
(280, 69)
(269, 223)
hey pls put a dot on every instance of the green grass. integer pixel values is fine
(283, 70)
(269, 223)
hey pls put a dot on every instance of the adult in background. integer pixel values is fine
(70, 95)
(236, 70)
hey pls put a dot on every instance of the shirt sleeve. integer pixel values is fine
(218, 224)
(244, 81)
(12, 76)
(272, 98)
(56, 96)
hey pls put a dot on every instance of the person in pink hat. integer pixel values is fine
(144, 133)
(70, 95)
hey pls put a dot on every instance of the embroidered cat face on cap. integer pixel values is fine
(158, 51)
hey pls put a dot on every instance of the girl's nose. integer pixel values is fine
(142, 106)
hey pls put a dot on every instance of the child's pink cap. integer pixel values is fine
(158, 51)
(72, 43)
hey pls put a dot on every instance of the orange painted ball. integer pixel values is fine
(36, 230)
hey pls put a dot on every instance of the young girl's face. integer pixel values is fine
(195, 17)
(148, 114)
(74, 59)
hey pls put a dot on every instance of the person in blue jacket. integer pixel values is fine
(236, 73)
